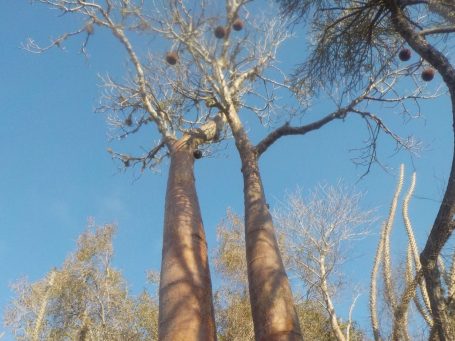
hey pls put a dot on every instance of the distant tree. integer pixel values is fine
(233, 313)
(352, 36)
(86, 299)
(319, 231)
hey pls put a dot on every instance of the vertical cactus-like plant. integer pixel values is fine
(383, 256)
(413, 274)
(387, 264)
(451, 285)
(415, 255)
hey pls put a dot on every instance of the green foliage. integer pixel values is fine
(86, 299)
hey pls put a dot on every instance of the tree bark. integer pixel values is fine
(272, 303)
(443, 225)
(185, 307)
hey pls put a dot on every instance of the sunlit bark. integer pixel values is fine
(272, 304)
(186, 309)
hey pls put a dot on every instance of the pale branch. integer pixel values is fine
(149, 160)
(102, 17)
(349, 324)
(42, 309)
(33, 47)
(323, 285)
(160, 121)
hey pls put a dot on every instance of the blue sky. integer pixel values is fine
(56, 173)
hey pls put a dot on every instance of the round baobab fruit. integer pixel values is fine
(237, 25)
(128, 121)
(220, 32)
(404, 55)
(428, 74)
(197, 154)
(172, 58)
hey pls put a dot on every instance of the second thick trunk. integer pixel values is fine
(272, 303)
(185, 307)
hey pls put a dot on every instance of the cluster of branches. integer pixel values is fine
(191, 91)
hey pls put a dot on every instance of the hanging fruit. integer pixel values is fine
(428, 74)
(405, 55)
(172, 58)
(220, 32)
(237, 24)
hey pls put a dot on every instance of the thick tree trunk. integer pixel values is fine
(444, 223)
(185, 307)
(272, 304)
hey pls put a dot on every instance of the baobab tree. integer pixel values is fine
(352, 35)
(152, 94)
(219, 64)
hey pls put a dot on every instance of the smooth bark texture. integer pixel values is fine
(272, 303)
(444, 224)
(185, 307)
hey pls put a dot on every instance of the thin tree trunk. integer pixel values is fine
(328, 302)
(443, 225)
(42, 311)
(185, 307)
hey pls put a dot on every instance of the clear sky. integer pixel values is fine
(56, 173)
